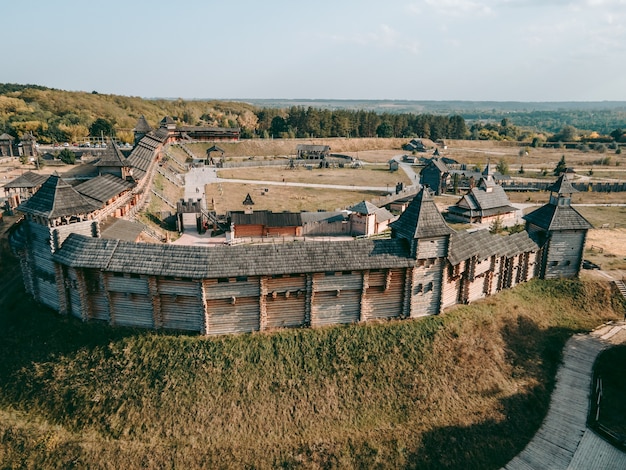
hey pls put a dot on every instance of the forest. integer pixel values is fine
(55, 116)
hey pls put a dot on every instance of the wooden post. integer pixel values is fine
(85, 305)
(157, 312)
(107, 296)
(364, 307)
(262, 303)
(309, 299)
(408, 292)
(205, 310)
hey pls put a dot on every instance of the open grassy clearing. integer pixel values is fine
(276, 147)
(369, 175)
(477, 152)
(223, 197)
(590, 197)
(466, 389)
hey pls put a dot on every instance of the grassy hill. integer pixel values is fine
(58, 115)
(466, 389)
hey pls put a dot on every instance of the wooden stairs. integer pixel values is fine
(621, 286)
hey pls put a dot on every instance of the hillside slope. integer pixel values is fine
(464, 389)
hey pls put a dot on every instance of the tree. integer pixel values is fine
(617, 134)
(560, 167)
(384, 130)
(496, 226)
(101, 127)
(567, 134)
(67, 156)
(502, 167)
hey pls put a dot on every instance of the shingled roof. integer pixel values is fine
(562, 186)
(558, 217)
(6, 136)
(267, 218)
(558, 214)
(421, 219)
(56, 198)
(112, 156)
(488, 198)
(102, 188)
(482, 244)
(142, 125)
(27, 180)
(230, 261)
(365, 208)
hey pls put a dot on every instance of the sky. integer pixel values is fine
(482, 50)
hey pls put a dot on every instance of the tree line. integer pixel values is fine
(301, 122)
(62, 116)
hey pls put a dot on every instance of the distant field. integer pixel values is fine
(369, 175)
(276, 147)
(225, 197)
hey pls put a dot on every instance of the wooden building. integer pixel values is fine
(483, 204)
(367, 219)
(436, 175)
(560, 230)
(142, 128)
(28, 145)
(244, 224)
(6, 146)
(112, 161)
(22, 188)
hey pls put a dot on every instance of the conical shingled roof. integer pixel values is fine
(56, 198)
(558, 216)
(421, 219)
(562, 186)
(112, 156)
(142, 125)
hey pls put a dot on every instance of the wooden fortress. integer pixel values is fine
(422, 269)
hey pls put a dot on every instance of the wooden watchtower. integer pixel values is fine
(560, 231)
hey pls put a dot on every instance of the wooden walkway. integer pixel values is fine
(563, 441)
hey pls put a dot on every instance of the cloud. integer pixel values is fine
(454, 8)
(385, 36)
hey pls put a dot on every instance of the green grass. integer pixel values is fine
(466, 389)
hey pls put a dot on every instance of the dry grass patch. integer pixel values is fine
(369, 175)
(607, 248)
(281, 147)
(223, 197)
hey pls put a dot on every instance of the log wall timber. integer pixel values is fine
(564, 254)
(99, 307)
(451, 286)
(427, 287)
(131, 304)
(336, 298)
(384, 294)
(285, 301)
(73, 293)
(181, 304)
(232, 305)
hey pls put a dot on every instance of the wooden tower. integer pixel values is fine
(560, 231)
(428, 236)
